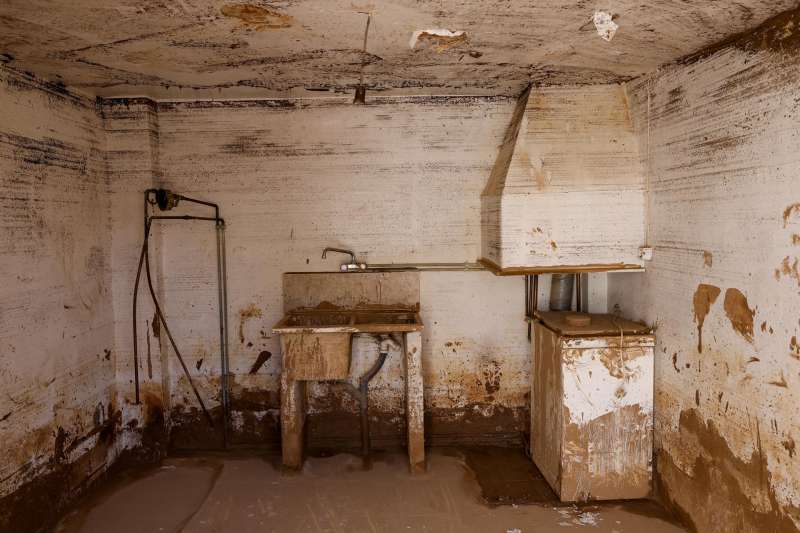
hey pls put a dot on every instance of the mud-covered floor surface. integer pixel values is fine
(477, 489)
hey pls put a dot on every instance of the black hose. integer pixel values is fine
(363, 390)
(135, 333)
(145, 258)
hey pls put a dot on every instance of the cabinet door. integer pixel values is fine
(546, 405)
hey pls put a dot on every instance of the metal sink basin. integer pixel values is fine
(319, 320)
(316, 343)
(349, 321)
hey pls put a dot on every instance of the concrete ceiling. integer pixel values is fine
(209, 49)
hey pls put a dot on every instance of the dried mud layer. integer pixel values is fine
(256, 426)
(36, 505)
(718, 473)
(250, 493)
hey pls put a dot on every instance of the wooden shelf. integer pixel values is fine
(557, 269)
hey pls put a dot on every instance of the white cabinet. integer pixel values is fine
(592, 406)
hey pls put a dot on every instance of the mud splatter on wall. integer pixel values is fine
(722, 167)
(704, 298)
(58, 413)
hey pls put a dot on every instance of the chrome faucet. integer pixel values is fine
(352, 266)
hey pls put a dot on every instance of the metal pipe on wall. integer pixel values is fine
(561, 287)
(531, 299)
(167, 200)
(222, 284)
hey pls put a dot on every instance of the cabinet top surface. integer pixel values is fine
(571, 323)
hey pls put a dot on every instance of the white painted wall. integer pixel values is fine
(131, 132)
(721, 146)
(57, 355)
(396, 180)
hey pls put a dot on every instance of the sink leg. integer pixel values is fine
(415, 408)
(293, 421)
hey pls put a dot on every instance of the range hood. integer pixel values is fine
(567, 191)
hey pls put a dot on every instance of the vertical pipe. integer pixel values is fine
(223, 329)
(363, 390)
(225, 323)
(535, 298)
(135, 301)
(579, 292)
(528, 303)
(561, 292)
(135, 332)
(527, 296)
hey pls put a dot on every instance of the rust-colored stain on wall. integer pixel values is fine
(790, 212)
(790, 447)
(780, 381)
(616, 361)
(739, 313)
(257, 17)
(704, 298)
(708, 259)
(245, 314)
(789, 268)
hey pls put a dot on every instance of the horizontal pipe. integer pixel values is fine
(201, 202)
(425, 266)
(187, 217)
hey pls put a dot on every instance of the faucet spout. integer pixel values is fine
(341, 251)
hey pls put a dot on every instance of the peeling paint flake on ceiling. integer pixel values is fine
(282, 48)
(438, 38)
(606, 27)
(256, 16)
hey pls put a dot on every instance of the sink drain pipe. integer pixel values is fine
(385, 343)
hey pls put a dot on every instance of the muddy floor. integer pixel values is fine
(469, 490)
